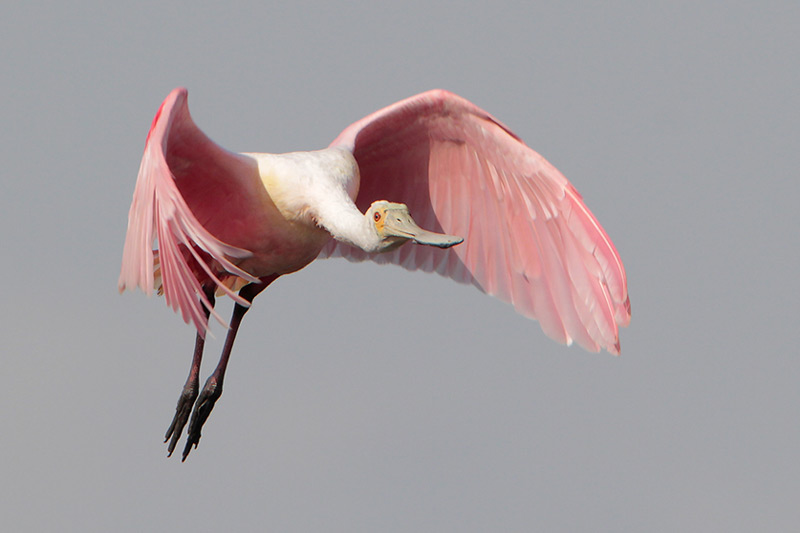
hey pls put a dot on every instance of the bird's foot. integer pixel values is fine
(205, 403)
(182, 411)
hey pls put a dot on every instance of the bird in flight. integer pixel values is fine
(206, 222)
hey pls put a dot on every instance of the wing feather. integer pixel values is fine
(529, 238)
(188, 252)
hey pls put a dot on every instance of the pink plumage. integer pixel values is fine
(226, 222)
(528, 237)
(160, 211)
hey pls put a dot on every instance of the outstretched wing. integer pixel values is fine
(186, 188)
(529, 238)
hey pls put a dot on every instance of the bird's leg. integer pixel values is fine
(212, 390)
(189, 393)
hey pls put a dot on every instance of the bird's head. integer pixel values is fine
(394, 226)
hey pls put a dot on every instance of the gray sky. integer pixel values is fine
(678, 124)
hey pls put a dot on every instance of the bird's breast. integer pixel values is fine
(286, 237)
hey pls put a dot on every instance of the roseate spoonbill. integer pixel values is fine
(227, 222)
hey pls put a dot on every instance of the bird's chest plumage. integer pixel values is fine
(283, 235)
(280, 241)
(283, 246)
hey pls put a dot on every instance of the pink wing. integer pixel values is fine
(529, 238)
(184, 178)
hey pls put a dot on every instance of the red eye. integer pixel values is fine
(377, 216)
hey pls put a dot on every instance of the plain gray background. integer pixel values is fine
(366, 398)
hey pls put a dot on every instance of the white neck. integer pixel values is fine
(322, 184)
(340, 216)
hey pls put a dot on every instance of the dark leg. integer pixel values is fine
(213, 387)
(189, 394)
